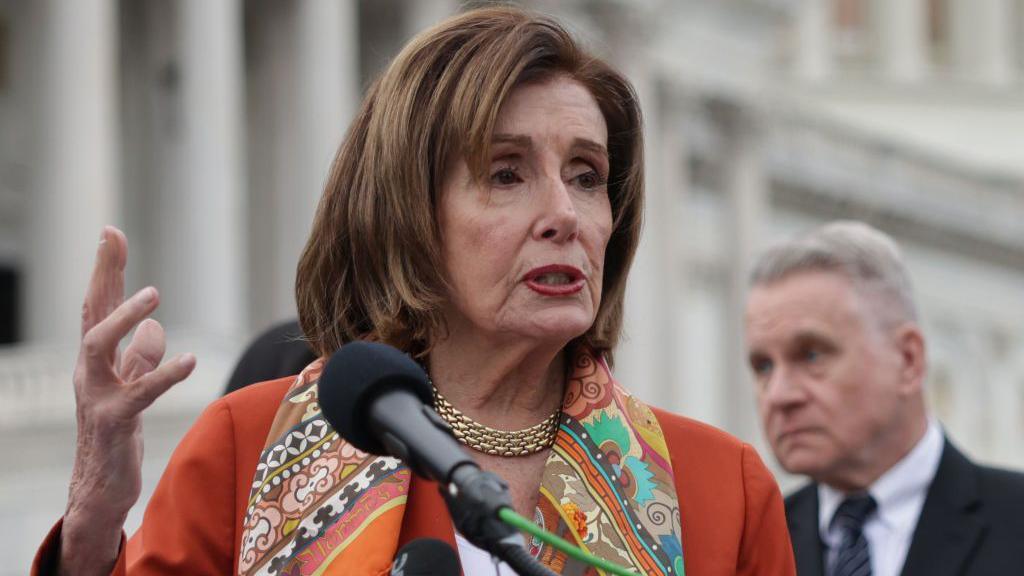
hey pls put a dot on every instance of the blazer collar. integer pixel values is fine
(950, 526)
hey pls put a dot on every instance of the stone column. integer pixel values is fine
(1006, 368)
(972, 390)
(981, 40)
(205, 275)
(76, 178)
(813, 60)
(668, 188)
(326, 81)
(422, 14)
(746, 189)
(652, 339)
(303, 87)
(645, 358)
(151, 145)
(901, 37)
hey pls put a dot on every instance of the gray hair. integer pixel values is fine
(866, 256)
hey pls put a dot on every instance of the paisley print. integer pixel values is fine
(608, 485)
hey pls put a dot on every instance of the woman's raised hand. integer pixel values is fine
(111, 391)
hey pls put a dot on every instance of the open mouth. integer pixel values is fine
(555, 280)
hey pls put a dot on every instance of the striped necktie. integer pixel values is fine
(853, 558)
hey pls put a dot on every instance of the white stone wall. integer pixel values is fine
(204, 129)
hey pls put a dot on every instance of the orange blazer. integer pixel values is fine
(733, 521)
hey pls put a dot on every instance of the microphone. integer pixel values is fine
(426, 557)
(379, 400)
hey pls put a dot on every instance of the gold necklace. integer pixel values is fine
(493, 441)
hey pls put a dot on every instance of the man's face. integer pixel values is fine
(832, 382)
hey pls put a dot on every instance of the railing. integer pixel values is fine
(36, 380)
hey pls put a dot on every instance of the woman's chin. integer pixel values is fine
(558, 325)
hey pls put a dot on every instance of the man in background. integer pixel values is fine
(839, 363)
(280, 351)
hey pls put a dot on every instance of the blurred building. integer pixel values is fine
(205, 130)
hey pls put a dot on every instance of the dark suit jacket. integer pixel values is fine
(276, 353)
(972, 523)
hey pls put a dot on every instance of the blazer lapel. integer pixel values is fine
(949, 527)
(802, 518)
(426, 515)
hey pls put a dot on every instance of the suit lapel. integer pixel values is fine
(802, 519)
(950, 527)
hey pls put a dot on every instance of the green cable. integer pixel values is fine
(510, 517)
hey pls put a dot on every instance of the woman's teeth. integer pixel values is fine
(553, 279)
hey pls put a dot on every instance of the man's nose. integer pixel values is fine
(783, 389)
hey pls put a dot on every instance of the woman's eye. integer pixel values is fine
(505, 177)
(590, 180)
(812, 355)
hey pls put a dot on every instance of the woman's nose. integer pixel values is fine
(558, 220)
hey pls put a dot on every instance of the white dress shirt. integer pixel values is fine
(900, 494)
(478, 562)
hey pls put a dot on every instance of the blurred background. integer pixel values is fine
(204, 129)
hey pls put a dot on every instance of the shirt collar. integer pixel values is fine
(899, 491)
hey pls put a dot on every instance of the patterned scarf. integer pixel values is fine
(319, 506)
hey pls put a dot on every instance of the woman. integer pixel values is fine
(481, 214)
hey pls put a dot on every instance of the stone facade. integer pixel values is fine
(205, 130)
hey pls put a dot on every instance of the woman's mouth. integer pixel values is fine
(555, 280)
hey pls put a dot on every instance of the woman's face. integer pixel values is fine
(525, 248)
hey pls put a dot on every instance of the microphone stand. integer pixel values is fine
(475, 500)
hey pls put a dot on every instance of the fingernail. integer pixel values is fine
(148, 294)
(187, 359)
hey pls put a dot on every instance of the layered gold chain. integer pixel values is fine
(497, 442)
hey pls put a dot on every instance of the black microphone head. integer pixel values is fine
(356, 374)
(426, 557)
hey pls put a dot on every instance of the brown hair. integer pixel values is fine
(372, 268)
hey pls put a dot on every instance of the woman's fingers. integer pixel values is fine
(145, 351)
(110, 396)
(106, 287)
(143, 391)
(99, 345)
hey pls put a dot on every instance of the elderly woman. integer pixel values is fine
(481, 215)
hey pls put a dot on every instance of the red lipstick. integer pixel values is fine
(555, 280)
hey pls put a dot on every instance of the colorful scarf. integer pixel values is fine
(318, 505)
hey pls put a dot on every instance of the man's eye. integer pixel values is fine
(505, 177)
(761, 366)
(811, 355)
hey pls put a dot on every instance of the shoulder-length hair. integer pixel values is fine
(372, 268)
